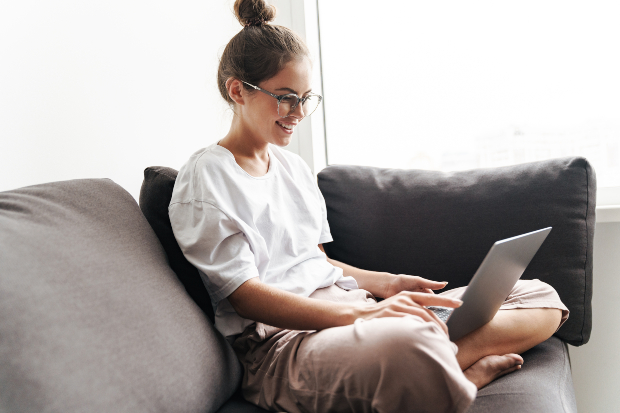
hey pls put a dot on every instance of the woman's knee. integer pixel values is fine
(390, 343)
(534, 285)
(402, 347)
(406, 333)
(405, 360)
(416, 358)
(533, 291)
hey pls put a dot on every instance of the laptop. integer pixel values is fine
(491, 284)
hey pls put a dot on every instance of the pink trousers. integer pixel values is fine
(394, 364)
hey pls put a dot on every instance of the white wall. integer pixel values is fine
(103, 89)
(93, 89)
(596, 365)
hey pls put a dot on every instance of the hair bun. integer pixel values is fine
(254, 12)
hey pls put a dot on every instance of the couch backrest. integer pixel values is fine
(92, 318)
(155, 195)
(440, 225)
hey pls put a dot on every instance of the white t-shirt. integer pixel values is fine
(233, 226)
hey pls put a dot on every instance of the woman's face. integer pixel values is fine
(261, 110)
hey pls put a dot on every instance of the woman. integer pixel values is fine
(306, 328)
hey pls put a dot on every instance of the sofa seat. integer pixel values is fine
(544, 384)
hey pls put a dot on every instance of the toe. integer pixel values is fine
(506, 362)
(516, 357)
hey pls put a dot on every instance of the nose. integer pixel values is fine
(298, 112)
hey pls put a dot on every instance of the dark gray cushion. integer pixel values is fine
(155, 196)
(92, 318)
(237, 404)
(544, 384)
(440, 225)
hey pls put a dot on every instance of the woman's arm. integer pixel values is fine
(270, 305)
(384, 284)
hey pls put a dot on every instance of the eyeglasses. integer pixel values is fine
(289, 102)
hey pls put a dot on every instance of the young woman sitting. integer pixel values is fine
(307, 329)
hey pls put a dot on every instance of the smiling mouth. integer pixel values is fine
(287, 126)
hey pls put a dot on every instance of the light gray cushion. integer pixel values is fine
(92, 318)
(440, 225)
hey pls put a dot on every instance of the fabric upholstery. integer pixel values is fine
(92, 318)
(440, 225)
(155, 196)
(237, 404)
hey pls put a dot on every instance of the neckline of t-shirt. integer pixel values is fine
(234, 161)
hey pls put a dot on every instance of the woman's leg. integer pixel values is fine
(510, 331)
(530, 315)
(393, 364)
(493, 350)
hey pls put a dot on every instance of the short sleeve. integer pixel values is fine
(215, 245)
(326, 235)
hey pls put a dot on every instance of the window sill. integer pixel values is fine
(608, 213)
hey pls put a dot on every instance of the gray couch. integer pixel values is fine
(99, 311)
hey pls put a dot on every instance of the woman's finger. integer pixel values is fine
(433, 285)
(433, 299)
(426, 315)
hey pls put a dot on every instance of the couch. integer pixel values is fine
(99, 310)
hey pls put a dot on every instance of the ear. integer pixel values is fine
(235, 90)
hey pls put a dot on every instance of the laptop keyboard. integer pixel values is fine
(442, 312)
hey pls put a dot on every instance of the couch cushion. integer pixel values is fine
(92, 318)
(237, 404)
(440, 225)
(155, 196)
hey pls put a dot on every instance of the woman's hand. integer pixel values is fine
(404, 282)
(408, 303)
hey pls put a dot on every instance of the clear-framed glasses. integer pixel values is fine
(289, 102)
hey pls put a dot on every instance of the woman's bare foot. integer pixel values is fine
(488, 368)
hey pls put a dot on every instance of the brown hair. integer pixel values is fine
(260, 50)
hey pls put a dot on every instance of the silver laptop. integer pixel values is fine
(491, 284)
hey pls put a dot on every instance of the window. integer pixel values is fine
(453, 85)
